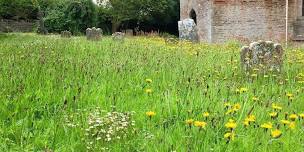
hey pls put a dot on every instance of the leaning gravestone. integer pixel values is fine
(66, 34)
(93, 34)
(262, 56)
(187, 30)
(118, 36)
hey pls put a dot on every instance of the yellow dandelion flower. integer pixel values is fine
(149, 80)
(231, 124)
(301, 115)
(276, 133)
(227, 104)
(292, 125)
(148, 91)
(289, 95)
(276, 107)
(251, 118)
(236, 107)
(150, 114)
(255, 98)
(243, 90)
(229, 136)
(206, 114)
(285, 122)
(200, 124)
(293, 117)
(230, 111)
(246, 123)
(273, 115)
(267, 125)
(189, 122)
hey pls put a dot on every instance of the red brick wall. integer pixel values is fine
(221, 20)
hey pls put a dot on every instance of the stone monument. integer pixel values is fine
(188, 30)
(66, 34)
(118, 36)
(93, 34)
(262, 56)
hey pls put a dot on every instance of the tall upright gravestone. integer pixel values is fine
(188, 30)
(93, 34)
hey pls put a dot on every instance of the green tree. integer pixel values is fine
(80, 15)
(140, 10)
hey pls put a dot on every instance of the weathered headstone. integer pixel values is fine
(188, 30)
(262, 56)
(93, 34)
(129, 32)
(118, 36)
(66, 34)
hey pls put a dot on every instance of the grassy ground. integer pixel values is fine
(76, 95)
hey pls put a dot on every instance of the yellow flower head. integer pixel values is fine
(273, 114)
(289, 95)
(276, 133)
(189, 122)
(149, 80)
(229, 111)
(206, 114)
(285, 122)
(267, 125)
(293, 117)
(301, 115)
(150, 113)
(292, 125)
(236, 107)
(276, 107)
(148, 91)
(229, 136)
(200, 124)
(246, 123)
(230, 124)
(255, 98)
(243, 90)
(251, 118)
(227, 104)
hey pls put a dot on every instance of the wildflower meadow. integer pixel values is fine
(145, 94)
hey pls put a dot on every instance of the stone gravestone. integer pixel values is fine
(187, 30)
(93, 34)
(129, 32)
(118, 36)
(262, 56)
(66, 34)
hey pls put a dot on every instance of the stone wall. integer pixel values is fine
(242, 19)
(17, 26)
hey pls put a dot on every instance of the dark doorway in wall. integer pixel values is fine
(193, 15)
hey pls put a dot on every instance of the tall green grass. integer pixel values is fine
(46, 79)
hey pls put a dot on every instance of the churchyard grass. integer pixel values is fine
(142, 94)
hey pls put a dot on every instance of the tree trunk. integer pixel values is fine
(115, 26)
